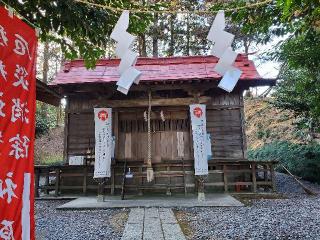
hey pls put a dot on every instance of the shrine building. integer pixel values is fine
(172, 83)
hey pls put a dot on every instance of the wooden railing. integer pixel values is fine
(228, 176)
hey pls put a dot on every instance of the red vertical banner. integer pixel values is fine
(18, 45)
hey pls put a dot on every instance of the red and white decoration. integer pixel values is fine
(104, 142)
(18, 46)
(199, 135)
(222, 49)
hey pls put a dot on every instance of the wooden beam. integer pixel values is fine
(144, 102)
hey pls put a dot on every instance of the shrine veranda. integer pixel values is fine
(174, 84)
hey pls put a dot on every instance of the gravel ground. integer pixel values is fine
(297, 217)
(96, 224)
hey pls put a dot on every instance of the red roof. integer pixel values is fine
(154, 69)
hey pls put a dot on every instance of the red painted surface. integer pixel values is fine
(155, 69)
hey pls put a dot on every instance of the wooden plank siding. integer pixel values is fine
(225, 123)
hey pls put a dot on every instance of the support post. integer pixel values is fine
(100, 197)
(57, 186)
(254, 178)
(273, 178)
(66, 133)
(225, 178)
(112, 180)
(85, 176)
(47, 172)
(201, 195)
(37, 180)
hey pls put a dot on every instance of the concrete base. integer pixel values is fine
(211, 200)
(100, 198)
(201, 197)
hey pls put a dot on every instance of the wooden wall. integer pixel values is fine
(225, 123)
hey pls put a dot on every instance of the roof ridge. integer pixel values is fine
(154, 60)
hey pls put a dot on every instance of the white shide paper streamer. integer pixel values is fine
(222, 41)
(128, 74)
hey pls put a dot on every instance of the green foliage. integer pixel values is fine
(45, 118)
(81, 30)
(301, 160)
(299, 22)
(278, 18)
(299, 86)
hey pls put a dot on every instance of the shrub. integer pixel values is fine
(301, 159)
(45, 118)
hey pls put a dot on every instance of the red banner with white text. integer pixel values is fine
(18, 46)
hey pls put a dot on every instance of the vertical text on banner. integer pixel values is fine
(103, 142)
(199, 135)
(18, 47)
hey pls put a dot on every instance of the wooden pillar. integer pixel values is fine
(85, 176)
(47, 172)
(169, 185)
(100, 197)
(66, 133)
(243, 129)
(254, 178)
(201, 195)
(112, 180)
(265, 172)
(225, 178)
(37, 180)
(116, 133)
(273, 178)
(140, 193)
(57, 186)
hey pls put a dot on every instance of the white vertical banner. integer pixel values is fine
(199, 135)
(25, 213)
(103, 143)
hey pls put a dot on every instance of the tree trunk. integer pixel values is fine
(172, 42)
(187, 51)
(155, 35)
(142, 45)
(45, 70)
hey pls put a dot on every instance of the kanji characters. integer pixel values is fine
(6, 232)
(3, 72)
(3, 37)
(20, 75)
(21, 46)
(2, 104)
(19, 111)
(10, 186)
(19, 146)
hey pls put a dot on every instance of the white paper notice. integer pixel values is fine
(199, 135)
(103, 145)
(230, 79)
(76, 160)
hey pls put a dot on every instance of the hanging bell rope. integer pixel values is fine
(150, 175)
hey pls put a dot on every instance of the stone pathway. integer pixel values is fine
(152, 223)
